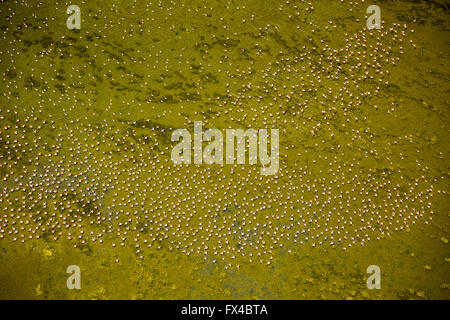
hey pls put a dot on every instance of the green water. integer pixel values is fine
(86, 118)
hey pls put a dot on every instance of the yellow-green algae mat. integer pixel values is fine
(86, 178)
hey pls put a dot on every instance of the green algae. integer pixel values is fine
(119, 74)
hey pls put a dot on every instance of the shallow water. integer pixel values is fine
(86, 177)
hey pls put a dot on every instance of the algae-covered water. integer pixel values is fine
(86, 176)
